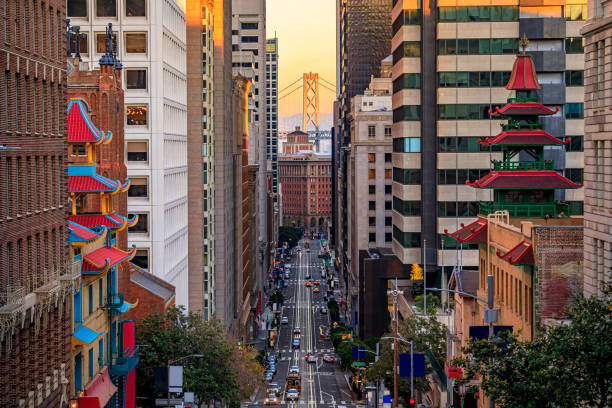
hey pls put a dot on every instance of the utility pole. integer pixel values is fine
(395, 293)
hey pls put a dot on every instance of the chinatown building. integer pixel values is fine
(103, 351)
(528, 240)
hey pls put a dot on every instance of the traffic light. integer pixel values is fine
(417, 272)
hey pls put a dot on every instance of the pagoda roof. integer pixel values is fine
(475, 232)
(523, 76)
(79, 235)
(523, 109)
(80, 127)
(522, 254)
(531, 179)
(83, 178)
(523, 138)
(102, 259)
(112, 220)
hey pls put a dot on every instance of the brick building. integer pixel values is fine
(35, 283)
(305, 193)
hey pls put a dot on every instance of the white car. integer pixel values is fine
(294, 369)
(293, 395)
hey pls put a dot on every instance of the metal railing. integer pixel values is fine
(499, 165)
(529, 210)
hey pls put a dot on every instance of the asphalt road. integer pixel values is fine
(323, 384)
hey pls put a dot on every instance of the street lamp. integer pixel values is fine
(176, 361)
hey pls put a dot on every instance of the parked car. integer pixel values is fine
(293, 395)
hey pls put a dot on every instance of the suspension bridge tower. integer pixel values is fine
(310, 109)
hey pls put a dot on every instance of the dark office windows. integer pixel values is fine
(574, 111)
(476, 46)
(575, 175)
(575, 12)
(135, 8)
(473, 79)
(407, 208)
(574, 45)
(76, 8)
(463, 14)
(407, 239)
(407, 176)
(407, 145)
(457, 209)
(407, 81)
(576, 144)
(407, 112)
(464, 111)
(136, 78)
(459, 176)
(249, 39)
(407, 17)
(407, 49)
(574, 78)
(249, 26)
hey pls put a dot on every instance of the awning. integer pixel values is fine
(100, 388)
(84, 335)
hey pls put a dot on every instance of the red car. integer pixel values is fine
(315, 290)
(308, 284)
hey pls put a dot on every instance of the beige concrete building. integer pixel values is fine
(441, 100)
(369, 173)
(598, 146)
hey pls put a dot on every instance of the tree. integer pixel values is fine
(427, 334)
(567, 366)
(177, 335)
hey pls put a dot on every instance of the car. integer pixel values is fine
(296, 342)
(273, 388)
(308, 284)
(293, 394)
(323, 310)
(294, 369)
(271, 399)
(315, 290)
(317, 282)
(328, 358)
(311, 358)
(284, 320)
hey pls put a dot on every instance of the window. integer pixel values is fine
(407, 81)
(407, 49)
(137, 151)
(574, 78)
(371, 157)
(136, 78)
(407, 112)
(371, 173)
(371, 221)
(387, 157)
(76, 8)
(142, 226)
(575, 12)
(407, 239)
(371, 189)
(574, 45)
(100, 42)
(388, 132)
(575, 175)
(407, 176)
(576, 144)
(372, 237)
(388, 237)
(388, 173)
(249, 39)
(106, 8)
(388, 221)
(371, 131)
(407, 208)
(138, 187)
(249, 26)
(136, 115)
(372, 205)
(82, 45)
(388, 189)
(574, 111)
(407, 145)
(135, 8)
(136, 43)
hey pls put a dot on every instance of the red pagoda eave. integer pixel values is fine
(522, 254)
(475, 232)
(112, 220)
(537, 179)
(523, 108)
(105, 258)
(523, 138)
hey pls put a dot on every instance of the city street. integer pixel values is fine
(323, 384)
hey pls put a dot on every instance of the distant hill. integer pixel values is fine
(290, 122)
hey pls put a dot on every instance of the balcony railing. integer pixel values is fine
(499, 165)
(124, 362)
(530, 210)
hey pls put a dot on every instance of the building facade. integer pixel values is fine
(441, 102)
(305, 180)
(597, 147)
(35, 279)
(151, 39)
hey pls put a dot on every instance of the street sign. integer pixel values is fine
(418, 365)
